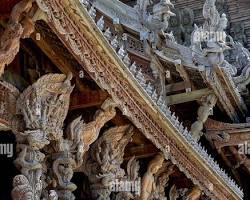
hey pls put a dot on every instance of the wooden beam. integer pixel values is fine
(184, 75)
(87, 99)
(175, 87)
(63, 65)
(187, 97)
(142, 151)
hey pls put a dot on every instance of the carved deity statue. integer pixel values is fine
(19, 26)
(148, 180)
(187, 17)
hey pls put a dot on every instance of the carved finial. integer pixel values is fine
(100, 23)
(85, 3)
(133, 68)
(114, 42)
(149, 89)
(181, 127)
(127, 60)
(176, 123)
(141, 79)
(185, 132)
(108, 33)
(92, 12)
(160, 101)
(154, 96)
(121, 52)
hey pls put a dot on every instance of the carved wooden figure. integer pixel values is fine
(148, 180)
(203, 112)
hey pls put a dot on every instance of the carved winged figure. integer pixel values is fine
(156, 23)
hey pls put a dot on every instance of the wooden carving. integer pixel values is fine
(44, 106)
(21, 188)
(103, 164)
(157, 22)
(19, 26)
(71, 149)
(195, 194)
(216, 24)
(132, 175)
(203, 113)
(148, 180)
(162, 178)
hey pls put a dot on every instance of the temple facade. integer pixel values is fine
(124, 100)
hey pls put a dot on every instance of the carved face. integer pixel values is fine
(223, 22)
(53, 195)
(37, 139)
(173, 21)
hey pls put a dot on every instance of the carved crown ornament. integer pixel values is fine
(107, 68)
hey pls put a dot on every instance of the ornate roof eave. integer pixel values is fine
(228, 95)
(117, 10)
(79, 33)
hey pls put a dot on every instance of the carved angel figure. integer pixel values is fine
(18, 27)
(148, 180)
